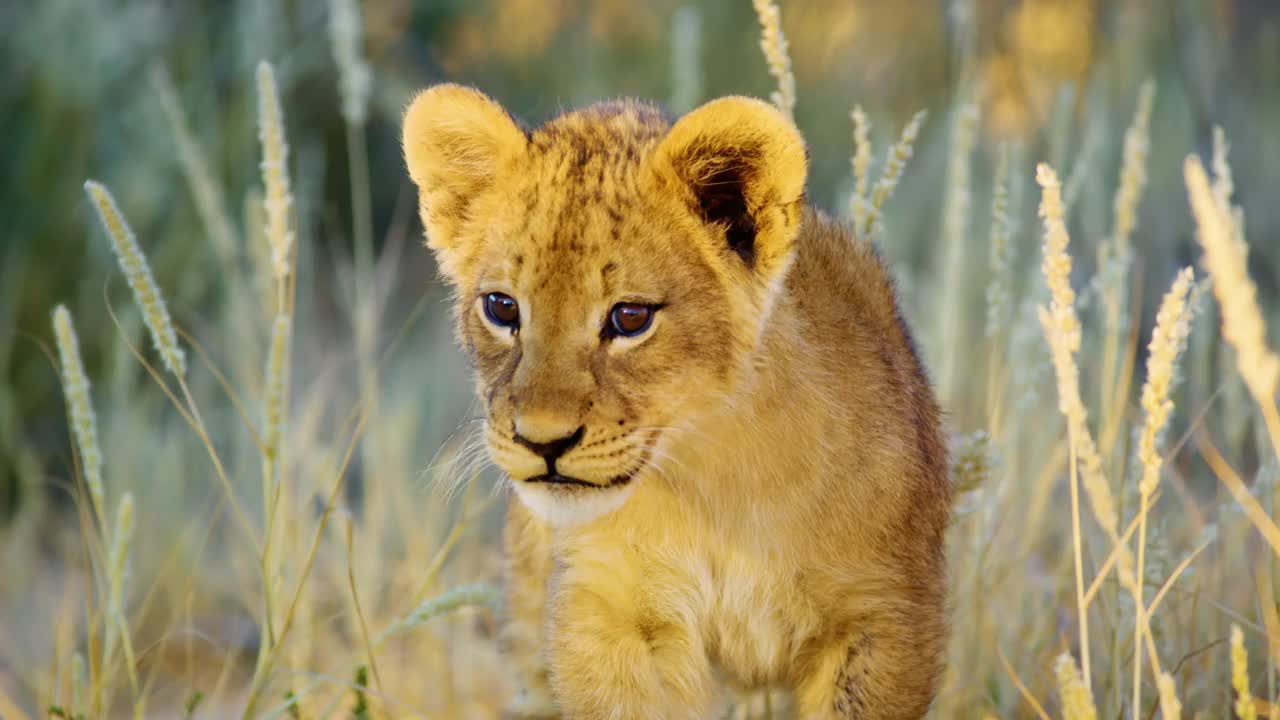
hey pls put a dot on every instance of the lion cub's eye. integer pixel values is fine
(630, 319)
(502, 310)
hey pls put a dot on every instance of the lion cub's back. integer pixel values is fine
(843, 288)
(844, 300)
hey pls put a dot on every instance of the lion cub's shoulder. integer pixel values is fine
(844, 304)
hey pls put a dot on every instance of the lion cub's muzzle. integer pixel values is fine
(552, 451)
(573, 460)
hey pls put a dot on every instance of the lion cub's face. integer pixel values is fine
(613, 274)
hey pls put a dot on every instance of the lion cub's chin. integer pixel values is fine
(565, 506)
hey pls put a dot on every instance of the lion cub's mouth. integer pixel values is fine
(558, 479)
(566, 499)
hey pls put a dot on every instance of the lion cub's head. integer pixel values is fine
(613, 274)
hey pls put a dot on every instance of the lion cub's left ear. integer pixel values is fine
(456, 141)
(742, 164)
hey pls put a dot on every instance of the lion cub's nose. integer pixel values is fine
(550, 450)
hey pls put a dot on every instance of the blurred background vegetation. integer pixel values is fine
(88, 89)
(79, 99)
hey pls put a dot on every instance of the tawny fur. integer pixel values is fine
(767, 489)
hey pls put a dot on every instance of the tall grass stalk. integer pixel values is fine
(207, 192)
(774, 44)
(1170, 705)
(346, 33)
(1115, 254)
(79, 682)
(1062, 330)
(1133, 172)
(449, 601)
(138, 273)
(281, 240)
(1077, 699)
(1082, 167)
(275, 412)
(346, 38)
(861, 162)
(1168, 338)
(951, 317)
(998, 286)
(1001, 231)
(899, 154)
(276, 391)
(686, 59)
(1242, 323)
(1223, 184)
(84, 421)
(278, 201)
(357, 610)
(115, 626)
(1244, 706)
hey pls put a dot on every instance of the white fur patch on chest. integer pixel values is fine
(753, 619)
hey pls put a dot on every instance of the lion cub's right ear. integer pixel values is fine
(455, 141)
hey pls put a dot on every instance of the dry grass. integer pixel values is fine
(314, 570)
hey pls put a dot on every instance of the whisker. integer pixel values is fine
(466, 457)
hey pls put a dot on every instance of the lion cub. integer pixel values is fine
(726, 454)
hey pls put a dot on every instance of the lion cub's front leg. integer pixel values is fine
(611, 657)
(884, 670)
